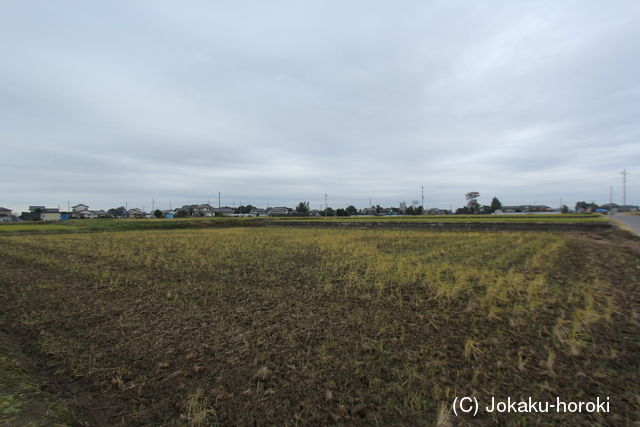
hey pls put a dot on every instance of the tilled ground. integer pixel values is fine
(283, 337)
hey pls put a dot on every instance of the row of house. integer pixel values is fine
(206, 210)
(612, 207)
(525, 208)
(82, 211)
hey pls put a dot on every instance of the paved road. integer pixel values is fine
(631, 221)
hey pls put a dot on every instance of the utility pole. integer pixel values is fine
(423, 200)
(610, 194)
(219, 204)
(153, 205)
(624, 186)
(326, 209)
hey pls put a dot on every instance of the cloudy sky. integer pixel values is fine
(107, 103)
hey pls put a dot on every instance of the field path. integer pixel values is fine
(631, 221)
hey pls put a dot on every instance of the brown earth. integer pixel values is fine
(265, 363)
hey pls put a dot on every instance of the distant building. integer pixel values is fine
(436, 211)
(225, 210)
(280, 210)
(50, 214)
(134, 213)
(370, 211)
(79, 208)
(5, 212)
(612, 207)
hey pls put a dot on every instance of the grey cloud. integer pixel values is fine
(279, 100)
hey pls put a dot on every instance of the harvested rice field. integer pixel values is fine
(267, 326)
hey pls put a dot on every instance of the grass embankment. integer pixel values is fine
(564, 218)
(291, 326)
(93, 225)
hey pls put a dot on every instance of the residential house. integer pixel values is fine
(79, 211)
(85, 214)
(79, 208)
(512, 209)
(101, 214)
(612, 207)
(280, 210)
(628, 208)
(436, 211)
(50, 214)
(134, 213)
(538, 208)
(5, 212)
(225, 210)
(258, 212)
(205, 210)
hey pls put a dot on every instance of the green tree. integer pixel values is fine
(486, 210)
(116, 212)
(351, 210)
(472, 202)
(181, 214)
(328, 212)
(495, 204)
(564, 209)
(158, 213)
(303, 207)
(341, 212)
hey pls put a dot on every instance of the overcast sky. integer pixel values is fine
(107, 103)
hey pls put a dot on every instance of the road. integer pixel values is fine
(631, 221)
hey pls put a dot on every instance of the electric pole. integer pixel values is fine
(624, 186)
(611, 194)
(423, 200)
(326, 209)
